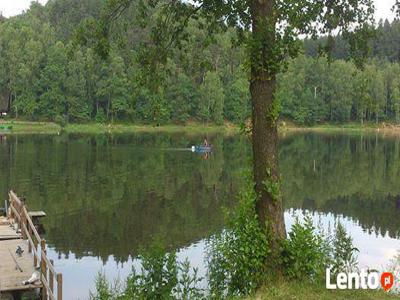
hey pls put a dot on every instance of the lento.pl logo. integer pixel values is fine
(362, 280)
(387, 281)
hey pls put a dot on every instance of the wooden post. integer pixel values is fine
(11, 216)
(23, 217)
(30, 234)
(43, 268)
(59, 286)
(35, 244)
(19, 210)
(51, 278)
(23, 222)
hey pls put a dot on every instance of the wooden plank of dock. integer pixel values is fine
(37, 214)
(11, 278)
(8, 233)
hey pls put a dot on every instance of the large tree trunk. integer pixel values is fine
(264, 129)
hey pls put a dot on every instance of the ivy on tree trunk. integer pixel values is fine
(264, 127)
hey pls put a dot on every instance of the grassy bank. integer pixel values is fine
(308, 291)
(348, 127)
(25, 127)
(192, 128)
(384, 129)
(21, 127)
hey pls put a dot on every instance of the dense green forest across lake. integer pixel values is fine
(49, 70)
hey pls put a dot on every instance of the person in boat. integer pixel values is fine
(205, 144)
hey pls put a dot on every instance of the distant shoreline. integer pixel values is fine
(382, 128)
(26, 127)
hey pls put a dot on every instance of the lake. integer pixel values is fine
(108, 197)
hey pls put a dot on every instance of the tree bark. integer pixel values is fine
(264, 129)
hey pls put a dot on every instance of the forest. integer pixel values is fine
(50, 70)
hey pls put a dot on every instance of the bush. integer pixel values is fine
(61, 120)
(187, 287)
(344, 253)
(161, 277)
(306, 253)
(157, 279)
(100, 116)
(237, 256)
(104, 290)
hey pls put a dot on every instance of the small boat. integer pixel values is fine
(202, 149)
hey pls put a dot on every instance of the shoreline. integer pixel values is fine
(26, 127)
(383, 129)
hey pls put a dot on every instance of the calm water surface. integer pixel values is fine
(108, 197)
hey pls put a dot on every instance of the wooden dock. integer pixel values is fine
(18, 230)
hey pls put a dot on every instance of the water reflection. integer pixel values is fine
(108, 197)
(119, 192)
(355, 176)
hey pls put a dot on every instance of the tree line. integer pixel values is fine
(383, 43)
(315, 90)
(45, 74)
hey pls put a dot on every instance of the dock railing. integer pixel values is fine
(37, 246)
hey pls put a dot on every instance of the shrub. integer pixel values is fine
(236, 256)
(104, 290)
(187, 287)
(344, 253)
(61, 120)
(306, 253)
(157, 279)
(100, 116)
(161, 277)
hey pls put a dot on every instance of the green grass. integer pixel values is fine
(386, 129)
(309, 291)
(25, 127)
(21, 127)
(335, 127)
(132, 128)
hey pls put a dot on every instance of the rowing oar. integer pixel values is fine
(17, 267)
